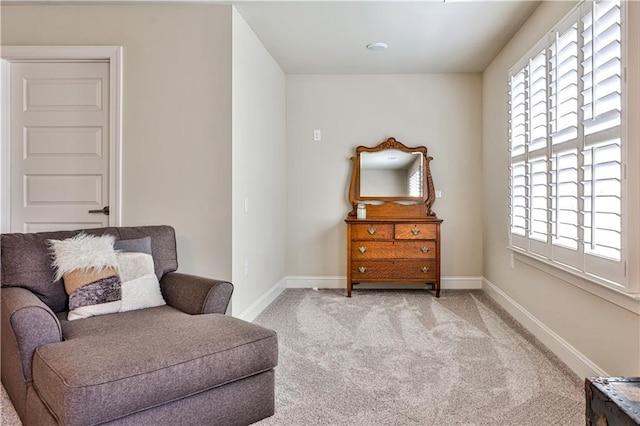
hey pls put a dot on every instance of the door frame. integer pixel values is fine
(110, 54)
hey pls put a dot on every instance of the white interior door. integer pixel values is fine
(59, 145)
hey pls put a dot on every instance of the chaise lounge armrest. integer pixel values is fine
(196, 295)
(27, 323)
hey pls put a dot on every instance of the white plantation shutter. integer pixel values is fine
(567, 147)
(537, 148)
(602, 150)
(537, 102)
(518, 113)
(602, 64)
(565, 199)
(519, 199)
(565, 132)
(563, 77)
(602, 200)
(565, 207)
(539, 199)
(415, 183)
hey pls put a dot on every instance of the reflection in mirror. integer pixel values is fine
(391, 173)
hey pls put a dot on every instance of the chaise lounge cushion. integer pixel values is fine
(118, 364)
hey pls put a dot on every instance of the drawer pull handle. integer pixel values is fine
(425, 249)
(415, 231)
(362, 269)
(362, 249)
(372, 230)
(425, 269)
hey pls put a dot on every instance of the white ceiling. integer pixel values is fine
(329, 37)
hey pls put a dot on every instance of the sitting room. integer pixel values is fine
(227, 142)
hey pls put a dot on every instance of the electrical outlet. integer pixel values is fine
(438, 194)
(317, 135)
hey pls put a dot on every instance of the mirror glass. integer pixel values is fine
(391, 173)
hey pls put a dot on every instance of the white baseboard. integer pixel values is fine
(461, 283)
(340, 282)
(265, 300)
(316, 282)
(574, 359)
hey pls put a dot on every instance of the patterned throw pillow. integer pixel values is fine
(88, 267)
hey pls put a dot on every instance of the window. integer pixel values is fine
(415, 181)
(566, 144)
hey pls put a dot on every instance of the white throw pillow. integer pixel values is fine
(140, 286)
(133, 265)
(140, 293)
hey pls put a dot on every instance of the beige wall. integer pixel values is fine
(258, 167)
(176, 112)
(442, 112)
(606, 334)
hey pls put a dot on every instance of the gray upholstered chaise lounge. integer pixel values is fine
(184, 363)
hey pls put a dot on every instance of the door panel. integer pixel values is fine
(59, 145)
(62, 190)
(62, 94)
(60, 141)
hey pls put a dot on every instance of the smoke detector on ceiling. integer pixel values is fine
(377, 47)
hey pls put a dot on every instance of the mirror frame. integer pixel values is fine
(393, 206)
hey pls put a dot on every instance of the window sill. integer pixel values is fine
(629, 301)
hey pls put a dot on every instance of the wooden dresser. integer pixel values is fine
(393, 251)
(393, 236)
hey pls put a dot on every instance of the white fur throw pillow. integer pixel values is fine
(140, 286)
(83, 252)
(88, 265)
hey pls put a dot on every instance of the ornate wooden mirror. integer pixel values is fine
(393, 180)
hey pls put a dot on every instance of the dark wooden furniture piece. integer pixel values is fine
(612, 401)
(399, 240)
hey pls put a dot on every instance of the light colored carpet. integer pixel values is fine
(8, 415)
(407, 358)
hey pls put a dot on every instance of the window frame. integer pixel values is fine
(530, 251)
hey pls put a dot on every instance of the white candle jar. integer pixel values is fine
(362, 211)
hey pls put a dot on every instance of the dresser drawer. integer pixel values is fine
(414, 250)
(367, 271)
(371, 270)
(393, 250)
(417, 270)
(371, 231)
(372, 250)
(416, 231)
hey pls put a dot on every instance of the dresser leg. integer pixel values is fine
(349, 286)
(437, 289)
